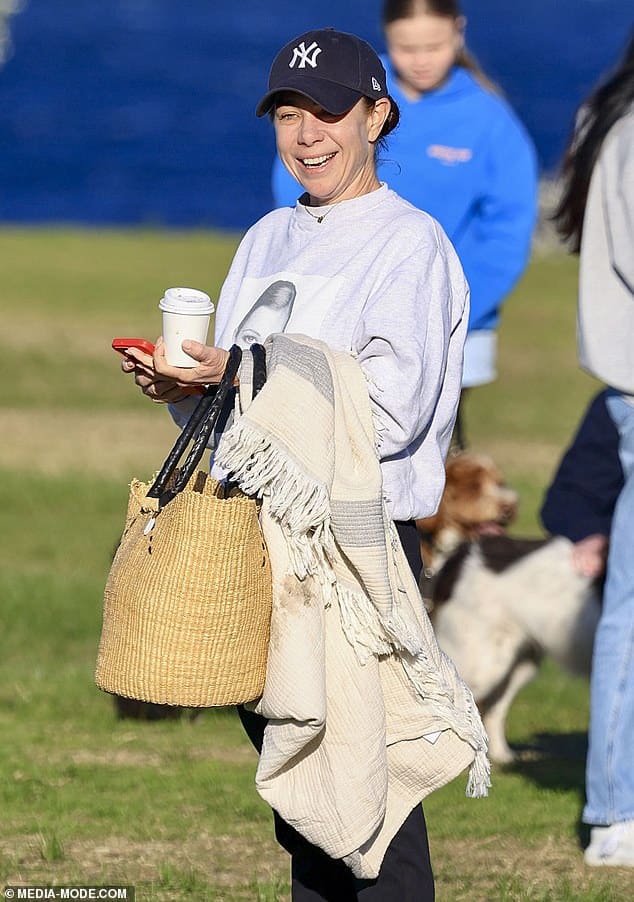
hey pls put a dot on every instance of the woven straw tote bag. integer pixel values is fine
(187, 604)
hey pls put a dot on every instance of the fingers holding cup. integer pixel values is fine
(209, 365)
(186, 315)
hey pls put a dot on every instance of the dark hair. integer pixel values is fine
(448, 9)
(595, 117)
(405, 9)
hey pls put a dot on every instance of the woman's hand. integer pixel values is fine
(154, 386)
(208, 371)
(590, 555)
(169, 384)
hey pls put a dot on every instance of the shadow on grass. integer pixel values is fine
(556, 761)
(553, 747)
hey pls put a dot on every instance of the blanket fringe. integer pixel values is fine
(362, 625)
(479, 781)
(299, 504)
(367, 634)
(461, 715)
(366, 628)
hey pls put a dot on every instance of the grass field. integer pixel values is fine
(170, 806)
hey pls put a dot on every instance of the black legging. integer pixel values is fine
(406, 874)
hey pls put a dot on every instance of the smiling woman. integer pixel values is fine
(332, 156)
(327, 129)
(357, 270)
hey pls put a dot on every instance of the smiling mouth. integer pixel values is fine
(317, 162)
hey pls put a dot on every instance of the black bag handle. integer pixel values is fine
(206, 412)
(258, 354)
(198, 448)
(204, 418)
(259, 367)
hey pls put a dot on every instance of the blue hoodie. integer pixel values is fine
(461, 154)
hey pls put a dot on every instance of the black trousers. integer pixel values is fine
(406, 873)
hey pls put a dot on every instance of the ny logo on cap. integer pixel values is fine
(303, 55)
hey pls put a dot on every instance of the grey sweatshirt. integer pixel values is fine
(606, 270)
(377, 278)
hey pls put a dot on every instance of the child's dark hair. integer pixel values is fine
(448, 9)
(603, 108)
(405, 9)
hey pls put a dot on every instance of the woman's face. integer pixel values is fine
(422, 50)
(332, 157)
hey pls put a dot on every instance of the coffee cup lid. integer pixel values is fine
(186, 300)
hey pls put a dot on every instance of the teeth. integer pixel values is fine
(317, 161)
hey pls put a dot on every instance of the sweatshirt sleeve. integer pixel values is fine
(500, 243)
(581, 498)
(409, 343)
(619, 200)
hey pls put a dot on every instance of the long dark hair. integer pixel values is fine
(448, 9)
(596, 116)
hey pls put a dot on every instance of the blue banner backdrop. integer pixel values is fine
(141, 111)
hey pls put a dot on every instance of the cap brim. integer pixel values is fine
(335, 99)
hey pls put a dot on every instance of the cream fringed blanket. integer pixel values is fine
(366, 715)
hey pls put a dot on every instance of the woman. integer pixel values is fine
(596, 214)
(461, 155)
(369, 274)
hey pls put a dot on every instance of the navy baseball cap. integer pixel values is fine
(332, 68)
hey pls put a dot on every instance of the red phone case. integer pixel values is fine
(122, 344)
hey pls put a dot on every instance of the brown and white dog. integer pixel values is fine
(498, 604)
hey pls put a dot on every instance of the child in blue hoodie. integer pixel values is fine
(460, 154)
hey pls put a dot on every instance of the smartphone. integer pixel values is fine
(122, 344)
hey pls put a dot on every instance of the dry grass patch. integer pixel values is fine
(114, 758)
(225, 861)
(528, 871)
(87, 337)
(113, 444)
(482, 870)
(126, 442)
(126, 757)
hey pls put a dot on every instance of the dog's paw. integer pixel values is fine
(501, 753)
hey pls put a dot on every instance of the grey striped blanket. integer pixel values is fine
(366, 715)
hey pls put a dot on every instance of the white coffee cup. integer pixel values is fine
(186, 313)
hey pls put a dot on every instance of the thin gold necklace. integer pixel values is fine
(323, 216)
